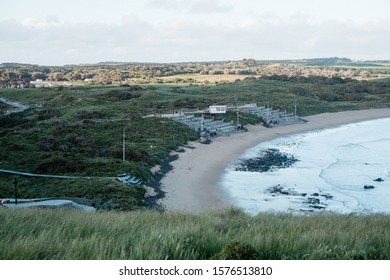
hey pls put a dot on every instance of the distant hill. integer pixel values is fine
(113, 63)
(12, 64)
(331, 61)
(327, 61)
(106, 63)
(118, 63)
(116, 72)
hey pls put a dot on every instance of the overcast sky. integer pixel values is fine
(51, 32)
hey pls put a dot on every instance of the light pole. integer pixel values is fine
(124, 145)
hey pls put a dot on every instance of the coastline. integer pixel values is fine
(193, 183)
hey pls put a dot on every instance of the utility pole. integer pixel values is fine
(201, 123)
(295, 106)
(124, 145)
(267, 115)
(16, 189)
(238, 116)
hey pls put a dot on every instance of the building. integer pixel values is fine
(218, 109)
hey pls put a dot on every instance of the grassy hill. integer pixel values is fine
(78, 130)
(227, 234)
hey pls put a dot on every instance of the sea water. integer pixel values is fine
(344, 170)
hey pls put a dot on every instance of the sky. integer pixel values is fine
(49, 32)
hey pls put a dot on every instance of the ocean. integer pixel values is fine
(344, 170)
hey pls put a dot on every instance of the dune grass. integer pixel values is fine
(70, 234)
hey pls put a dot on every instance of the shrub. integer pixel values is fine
(12, 120)
(117, 95)
(237, 251)
(48, 114)
(85, 115)
(60, 166)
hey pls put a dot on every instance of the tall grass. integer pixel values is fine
(70, 234)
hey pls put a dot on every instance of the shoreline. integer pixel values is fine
(193, 183)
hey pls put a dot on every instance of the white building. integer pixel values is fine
(218, 109)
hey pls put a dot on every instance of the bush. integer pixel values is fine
(12, 120)
(60, 166)
(132, 155)
(237, 251)
(117, 95)
(48, 114)
(86, 115)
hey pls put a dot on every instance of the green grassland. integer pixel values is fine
(78, 130)
(227, 234)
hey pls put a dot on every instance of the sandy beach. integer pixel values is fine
(192, 186)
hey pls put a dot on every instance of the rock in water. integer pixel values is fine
(269, 160)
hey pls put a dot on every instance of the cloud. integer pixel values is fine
(193, 6)
(31, 22)
(133, 39)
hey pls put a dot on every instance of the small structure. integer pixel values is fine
(217, 109)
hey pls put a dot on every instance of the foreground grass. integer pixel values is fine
(69, 234)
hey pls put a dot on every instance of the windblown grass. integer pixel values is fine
(69, 234)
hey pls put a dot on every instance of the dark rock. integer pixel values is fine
(315, 194)
(312, 200)
(278, 190)
(327, 196)
(189, 147)
(155, 183)
(307, 210)
(269, 160)
(317, 206)
(315, 203)
(368, 187)
(205, 141)
(275, 189)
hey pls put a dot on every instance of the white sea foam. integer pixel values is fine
(333, 168)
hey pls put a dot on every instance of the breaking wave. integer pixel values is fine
(344, 169)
